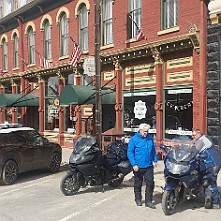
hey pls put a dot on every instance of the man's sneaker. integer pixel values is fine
(207, 204)
(150, 205)
(216, 206)
(138, 202)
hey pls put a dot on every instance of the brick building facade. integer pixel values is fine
(159, 78)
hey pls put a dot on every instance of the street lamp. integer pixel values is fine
(98, 105)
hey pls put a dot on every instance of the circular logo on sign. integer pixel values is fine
(56, 102)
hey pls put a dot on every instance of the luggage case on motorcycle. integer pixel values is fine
(116, 152)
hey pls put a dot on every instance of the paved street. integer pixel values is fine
(37, 197)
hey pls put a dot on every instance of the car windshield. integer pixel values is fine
(84, 144)
(182, 149)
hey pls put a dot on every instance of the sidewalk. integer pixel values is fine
(158, 171)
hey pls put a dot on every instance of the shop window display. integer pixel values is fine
(178, 112)
(138, 109)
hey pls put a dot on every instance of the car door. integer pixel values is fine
(39, 151)
(21, 150)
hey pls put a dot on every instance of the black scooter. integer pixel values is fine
(90, 167)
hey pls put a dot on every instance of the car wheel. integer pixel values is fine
(9, 173)
(55, 162)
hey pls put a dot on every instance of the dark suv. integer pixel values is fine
(23, 149)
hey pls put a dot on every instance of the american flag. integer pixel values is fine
(44, 63)
(1, 72)
(140, 35)
(76, 54)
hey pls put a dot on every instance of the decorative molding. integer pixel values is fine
(78, 5)
(30, 24)
(15, 31)
(45, 17)
(214, 7)
(4, 36)
(59, 13)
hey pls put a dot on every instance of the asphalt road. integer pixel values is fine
(37, 197)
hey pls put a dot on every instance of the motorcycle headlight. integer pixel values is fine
(176, 168)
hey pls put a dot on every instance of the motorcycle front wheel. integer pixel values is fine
(116, 181)
(70, 184)
(169, 202)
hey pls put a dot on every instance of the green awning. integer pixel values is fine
(79, 94)
(19, 100)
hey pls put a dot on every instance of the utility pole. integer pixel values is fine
(98, 105)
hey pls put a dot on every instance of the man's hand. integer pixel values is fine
(135, 168)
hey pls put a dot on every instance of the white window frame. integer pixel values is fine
(135, 17)
(4, 54)
(31, 46)
(15, 51)
(107, 22)
(169, 14)
(83, 28)
(63, 35)
(47, 40)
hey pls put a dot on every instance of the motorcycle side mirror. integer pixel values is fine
(163, 147)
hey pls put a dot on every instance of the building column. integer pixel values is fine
(158, 106)
(61, 137)
(14, 109)
(2, 119)
(119, 88)
(41, 105)
(24, 90)
(77, 109)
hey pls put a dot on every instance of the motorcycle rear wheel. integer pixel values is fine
(169, 202)
(70, 184)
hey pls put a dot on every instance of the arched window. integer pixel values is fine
(4, 54)
(31, 46)
(47, 40)
(83, 28)
(107, 22)
(15, 50)
(63, 35)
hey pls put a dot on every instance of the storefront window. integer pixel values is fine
(51, 104)
(139, 108)
(178, 112)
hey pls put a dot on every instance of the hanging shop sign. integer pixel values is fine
(89, 66)
(140, 110)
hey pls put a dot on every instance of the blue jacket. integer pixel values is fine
(141, 151)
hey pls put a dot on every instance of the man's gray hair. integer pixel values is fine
(144, 126)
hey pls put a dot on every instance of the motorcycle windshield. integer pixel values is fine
(83, 144)
(182, 149)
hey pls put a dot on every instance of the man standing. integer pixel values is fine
(142, 154)
(212, 165)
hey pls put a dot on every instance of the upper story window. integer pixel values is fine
(47, 40)
(31, 46)
(15, 50)
(4, 54)
(134, 17)
(63, 35)
(1, 9)
(14, 5)
(83, 28)
(7, 6)
(107, 22)
(169, 13)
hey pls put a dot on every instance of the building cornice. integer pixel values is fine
(190, 40)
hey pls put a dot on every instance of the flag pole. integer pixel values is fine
(98, 105)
